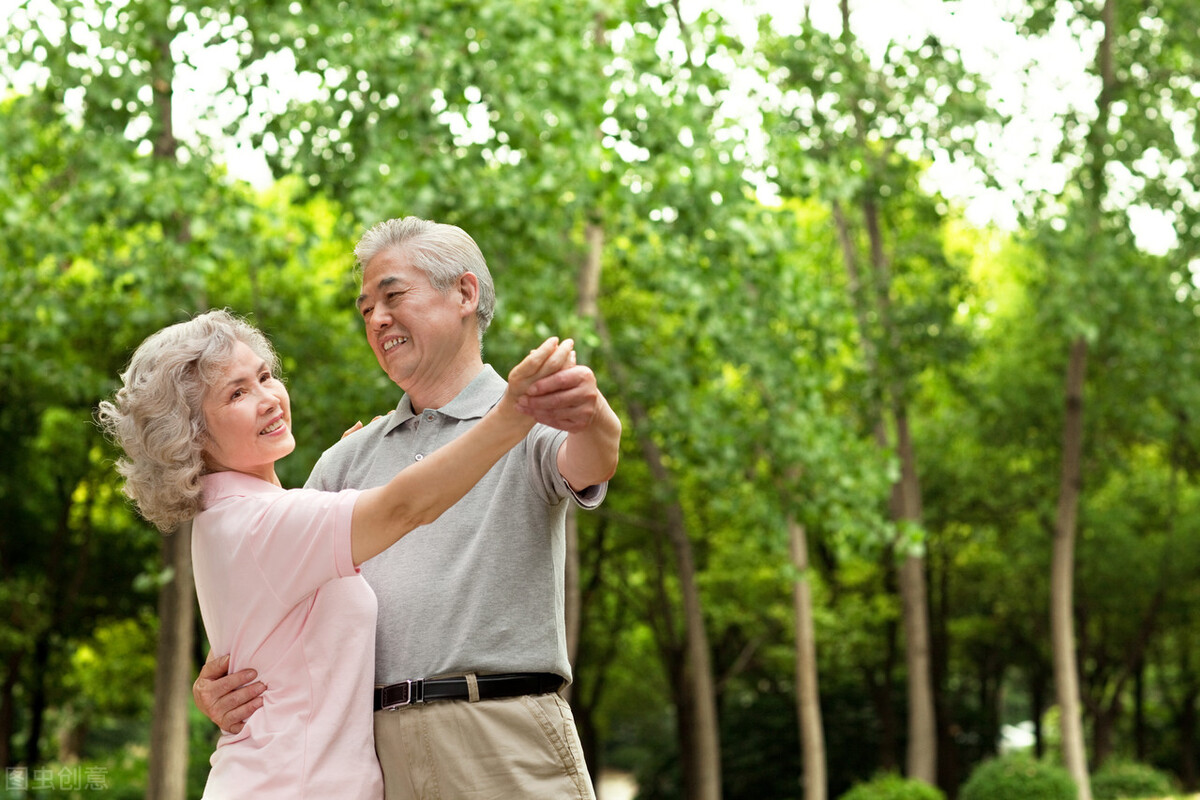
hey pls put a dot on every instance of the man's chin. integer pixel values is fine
(396, 376)
(382, 360)
(392, 364)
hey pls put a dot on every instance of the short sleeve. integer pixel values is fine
(543, 443)
(301, 540)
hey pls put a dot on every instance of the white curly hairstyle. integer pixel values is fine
(157, 417)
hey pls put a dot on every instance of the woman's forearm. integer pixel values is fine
(422, 491)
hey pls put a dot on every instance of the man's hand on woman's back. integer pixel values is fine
(228, 700)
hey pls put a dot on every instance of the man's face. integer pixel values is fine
(416, 332)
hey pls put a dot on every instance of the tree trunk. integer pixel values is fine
(702, 740)
(1037, 709)
(7, 713)
(1107, 707)
(1139, 713)
(1187, 726)
(880, 692)
(922, 738)
(37, 700)
(922, 721)
(586, 305)
(62, 604)
(588, 291)
(704, 778)
(167, 778)
(71, 736)
(686, 726)
(808, 697)
(1062, 574)
(921, 761)
(1103, 726)
(949, 767)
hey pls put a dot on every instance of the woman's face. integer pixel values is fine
(249, 418)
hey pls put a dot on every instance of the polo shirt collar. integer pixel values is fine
(471, 403)
(219, 485)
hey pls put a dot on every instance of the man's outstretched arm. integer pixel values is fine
(570, 400)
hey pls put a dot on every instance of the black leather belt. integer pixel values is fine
(406, 693)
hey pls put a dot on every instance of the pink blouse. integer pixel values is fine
(279, 592)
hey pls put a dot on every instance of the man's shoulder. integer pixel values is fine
(365, 438)
(332, 467)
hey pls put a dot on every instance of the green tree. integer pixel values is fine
(531, 126)
(1143, 60)
(846, 132)
(106, 242)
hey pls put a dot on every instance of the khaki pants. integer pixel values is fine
(524, 748)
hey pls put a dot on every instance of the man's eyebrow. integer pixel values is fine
(390, 280)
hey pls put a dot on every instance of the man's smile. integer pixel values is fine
(391, 343)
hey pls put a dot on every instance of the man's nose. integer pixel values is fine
(380, 319)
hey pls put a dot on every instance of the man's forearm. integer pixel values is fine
(590, 456)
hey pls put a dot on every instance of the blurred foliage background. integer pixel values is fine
(846, 400)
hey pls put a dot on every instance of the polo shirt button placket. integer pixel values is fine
(426, 416)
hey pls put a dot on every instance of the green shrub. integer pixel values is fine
(893, 787)
(1018, 776)
(1117, 780)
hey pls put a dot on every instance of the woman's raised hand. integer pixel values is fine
(547, 359)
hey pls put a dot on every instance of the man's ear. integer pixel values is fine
(468, 292)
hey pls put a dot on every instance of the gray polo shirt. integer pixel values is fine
(481, 588)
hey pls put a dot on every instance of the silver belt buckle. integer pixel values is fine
(408, 697)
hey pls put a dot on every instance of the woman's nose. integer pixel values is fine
(266, 400)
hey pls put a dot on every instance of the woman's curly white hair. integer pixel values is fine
(157, 416)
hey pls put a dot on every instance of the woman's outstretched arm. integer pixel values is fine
(421, 492)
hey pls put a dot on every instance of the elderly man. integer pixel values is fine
(470, 640)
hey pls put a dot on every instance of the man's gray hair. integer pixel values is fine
(443, 252)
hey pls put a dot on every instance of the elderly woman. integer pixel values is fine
(202, 418)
